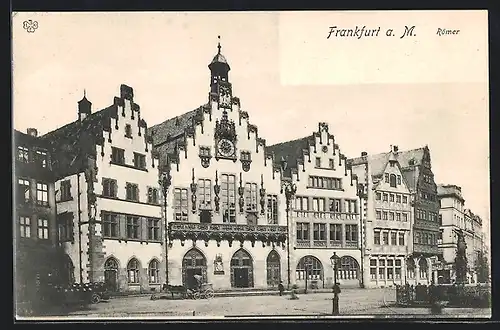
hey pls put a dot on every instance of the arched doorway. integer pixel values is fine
(349, 268)
(273, 269)
(111, 274)
(68, 270)
(310, 268)
(241, 270)
(193, 263)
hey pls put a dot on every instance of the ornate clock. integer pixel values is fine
(225, 96)
(225, 148)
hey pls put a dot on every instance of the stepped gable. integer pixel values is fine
(71, 144)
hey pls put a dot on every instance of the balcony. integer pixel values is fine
(227, 231)
(341, 216)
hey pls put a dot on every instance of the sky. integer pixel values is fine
(374, 92)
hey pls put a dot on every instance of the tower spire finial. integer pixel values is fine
(218, 44)
(84, 92)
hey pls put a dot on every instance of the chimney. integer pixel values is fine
(396, 148)
(364, 154)
(32, 131)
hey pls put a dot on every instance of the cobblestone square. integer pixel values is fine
(353, 302)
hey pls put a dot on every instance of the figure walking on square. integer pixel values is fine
(281, 288)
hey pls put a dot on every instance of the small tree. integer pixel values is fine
(482, 267)
(461, 259)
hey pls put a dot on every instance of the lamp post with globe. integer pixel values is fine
(334, 259)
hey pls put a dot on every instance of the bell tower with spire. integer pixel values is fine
(219, 70)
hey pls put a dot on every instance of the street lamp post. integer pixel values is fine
(362, 196)
(289, 189)
(307, 262)
(334, 259)
(165, 182)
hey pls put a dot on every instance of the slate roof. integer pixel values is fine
(378, 163)
(70, 144)
(30, 140)
(450, 190)
(173, 128)
(291, 151)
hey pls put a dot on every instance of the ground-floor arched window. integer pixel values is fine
(154, 271)
(241, 269)
(410, 266)
(193, 263)
(349, 268)
(111, 274)
(133, 271)
(311, 267)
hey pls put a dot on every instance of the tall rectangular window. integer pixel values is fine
(181, 204)
(228, 197)
(398, 216)
(351, 233)
(401, 237)
(381, 269)
(398, 269)
(399, 179)
(25, 226)
(378, 196)
(405, 199)
(43, 228)
(41, 158)
(23, 190)
(319, 233)
(108, 187)
(272, 209)
(303, 231)
(378, 215)
(398, 198)
(42, 194)
(318, 204)
(139, 160)
(385, 197)
(335, 205)
(331, 163)
(133, 227)
(117, 155)
(390, 269)
(376, 237)
(65, 226)
(251, 197)
(23, 154)
(152, 195)
(301, 203)
(65, 190)
(393, 238)
(205, 193)
(154, 229)
(128, 131)
(132, 192)
(385, 238)
(405, 216)
(391, 216)
(373, 269)
(110, 225)
(318, 161)
(384, 215)
(336, 233)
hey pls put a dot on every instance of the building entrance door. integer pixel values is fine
(111, 274)
(241, 278)
(273, 269)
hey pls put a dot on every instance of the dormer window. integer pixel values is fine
(392, 180)
(23, 154)
(128, 131)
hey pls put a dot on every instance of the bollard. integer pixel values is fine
(194, 313)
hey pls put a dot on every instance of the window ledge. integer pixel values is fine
(66, 199)
(336, 189)
(128, 166)
(119, 239)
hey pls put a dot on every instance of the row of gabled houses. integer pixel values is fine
(112, 199)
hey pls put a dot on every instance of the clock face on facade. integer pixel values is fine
(225, 148)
